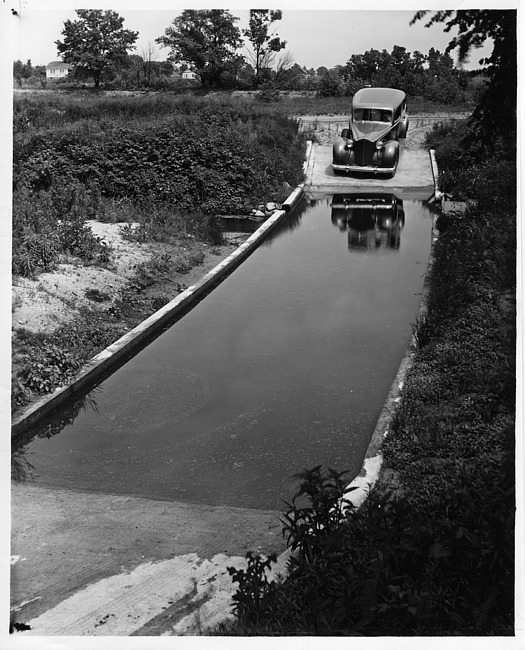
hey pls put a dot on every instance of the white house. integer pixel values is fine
(57, 70)
(188, 74)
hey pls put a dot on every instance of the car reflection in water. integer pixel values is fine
(373, 221)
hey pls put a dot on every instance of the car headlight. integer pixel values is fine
(379, 145)
(349, 144)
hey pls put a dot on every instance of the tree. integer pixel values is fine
(332, 84)
(265, 44)
(22, 70)
(95, 42)
(205, 39)
(284, 64)
(133, 69)
(495, 113)
(366, 67)
(149, 55)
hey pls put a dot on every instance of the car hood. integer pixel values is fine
(370, 131)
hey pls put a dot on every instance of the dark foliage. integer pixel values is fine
(76, 161)
(495, 113)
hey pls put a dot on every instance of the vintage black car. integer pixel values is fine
(370, 144)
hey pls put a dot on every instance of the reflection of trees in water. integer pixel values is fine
(372, 221)
(21, 468)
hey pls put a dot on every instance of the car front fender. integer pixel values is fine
(390, 153)
(341, 155)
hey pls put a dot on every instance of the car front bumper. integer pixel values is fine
(364, 169)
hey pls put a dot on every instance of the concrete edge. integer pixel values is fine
(438, 195)
(308, 161)
(130, 343)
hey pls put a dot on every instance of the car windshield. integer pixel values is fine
(372, 115)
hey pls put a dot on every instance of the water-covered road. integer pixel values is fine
(285, 365)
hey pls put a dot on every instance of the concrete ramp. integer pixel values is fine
(414, 178)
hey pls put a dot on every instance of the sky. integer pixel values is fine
(315, 37)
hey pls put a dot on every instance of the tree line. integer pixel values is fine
(209, 44)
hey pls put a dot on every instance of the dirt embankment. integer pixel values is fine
(54, 299)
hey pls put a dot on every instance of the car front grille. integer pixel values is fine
(364, 150)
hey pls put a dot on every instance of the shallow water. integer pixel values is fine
(283, 366)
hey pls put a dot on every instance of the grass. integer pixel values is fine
(56, 110)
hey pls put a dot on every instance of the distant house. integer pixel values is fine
(188, 74)
(57, 70)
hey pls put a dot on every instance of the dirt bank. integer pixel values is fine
(53, 299)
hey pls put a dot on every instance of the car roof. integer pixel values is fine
(378, 98)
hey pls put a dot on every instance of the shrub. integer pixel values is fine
(331, 85)
(50, 367)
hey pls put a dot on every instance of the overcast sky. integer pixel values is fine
(315, 37)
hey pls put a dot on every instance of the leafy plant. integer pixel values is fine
(254, 590)
(51, 367)
(313, 525)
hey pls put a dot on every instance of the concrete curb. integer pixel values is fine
(438, 195)
(132, 341)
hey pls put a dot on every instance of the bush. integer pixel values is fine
(226, 166)
(47, 223)
(331, 85)
(170, 163)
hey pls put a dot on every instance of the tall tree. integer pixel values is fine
(366, 67)
(265, 44)
(496, 110)
(149, 55)
(206, 40)
(95, 42)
